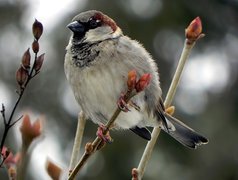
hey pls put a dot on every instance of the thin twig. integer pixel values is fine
(16, 121)
(95, 144)
(169, 97)
(77, 141)
(3, 115)
(4, 158)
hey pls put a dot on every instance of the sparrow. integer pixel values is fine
(97, 61)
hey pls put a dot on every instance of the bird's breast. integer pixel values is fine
(97, 89)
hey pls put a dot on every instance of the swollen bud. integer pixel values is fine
(170, 110)
(194, 30)
(53, 170)
(37, 29)
(30, 131)
(39, 62)
(26, 59)
(5, 152)
(35, 46)
(21, 75)
(143, 82)
(131, 80)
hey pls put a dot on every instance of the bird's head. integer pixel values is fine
(93, 26)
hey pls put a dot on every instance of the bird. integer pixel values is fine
(97, 60)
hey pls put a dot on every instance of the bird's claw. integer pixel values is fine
(106, 138)
(122, 103)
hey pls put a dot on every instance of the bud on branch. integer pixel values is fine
(194, 30)
(26, 59)
(21, 76)
(35, 46)
(143, 82)
(38, 63)
(37, 29)
(131, 80)
(30, 131)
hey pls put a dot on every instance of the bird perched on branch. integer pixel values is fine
(98, 59)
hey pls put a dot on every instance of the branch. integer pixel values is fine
(3, 115)
(23, 163)
(91, 148)
(193, 33)
(23, 76)
(29, 132)
(77, 141)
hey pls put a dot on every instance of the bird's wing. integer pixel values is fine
(142, 132)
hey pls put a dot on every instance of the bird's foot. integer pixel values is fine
(122, 103)
(106, 138)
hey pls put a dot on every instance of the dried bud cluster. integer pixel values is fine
(37, 30)
(139, 85)
(25, 73)
(29, 130)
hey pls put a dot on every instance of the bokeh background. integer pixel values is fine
(206, 99)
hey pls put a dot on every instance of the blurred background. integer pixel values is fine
(206, 99)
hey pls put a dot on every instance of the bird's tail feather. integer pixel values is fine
(184, 134)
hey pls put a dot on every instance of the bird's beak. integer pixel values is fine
(76, 27)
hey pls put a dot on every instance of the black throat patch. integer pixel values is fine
(84, 54)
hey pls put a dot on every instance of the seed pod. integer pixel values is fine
(39, 62)
(21, 76)
(35, 46)
(26, 59)
(37, 29)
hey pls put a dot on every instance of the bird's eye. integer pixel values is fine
(93, 23)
